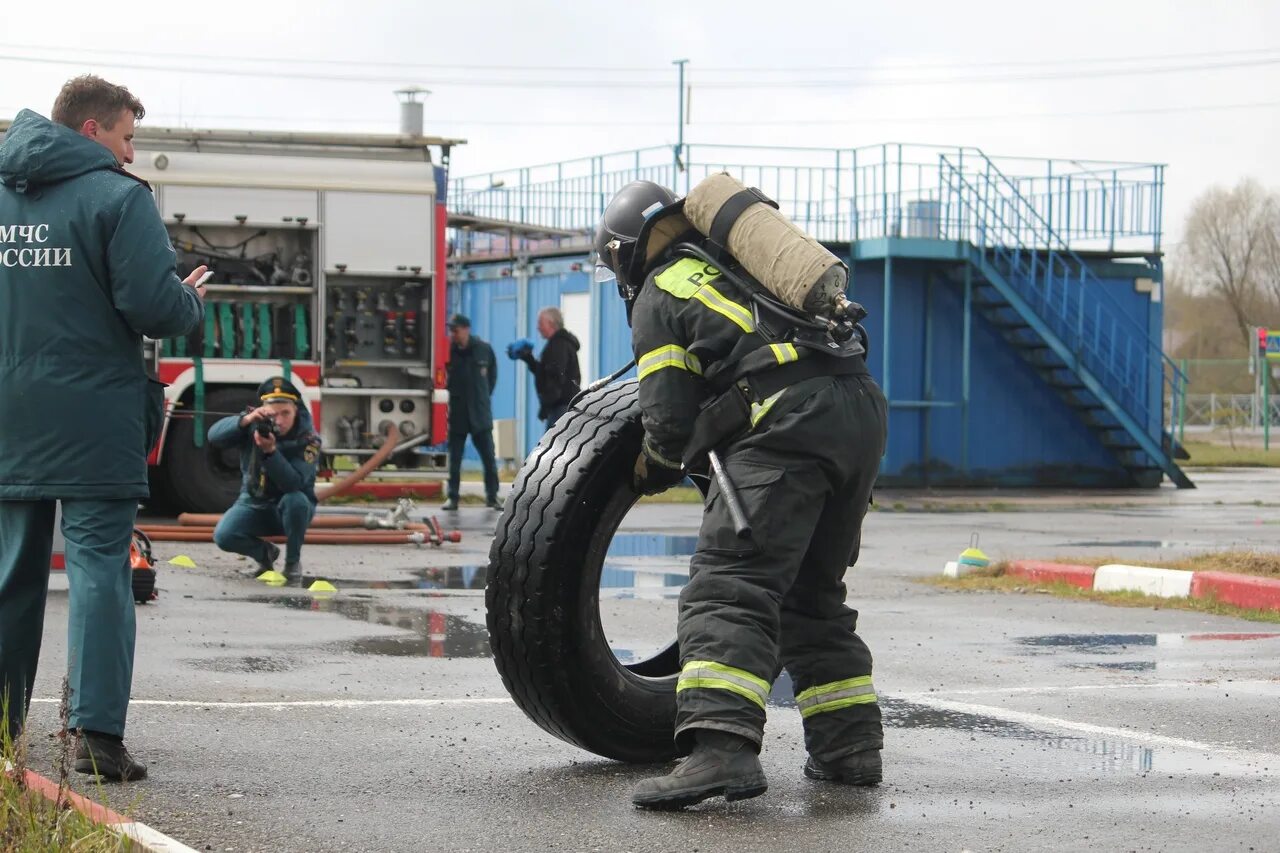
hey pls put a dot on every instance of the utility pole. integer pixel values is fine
(678, 153)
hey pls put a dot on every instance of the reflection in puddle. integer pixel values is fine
(435, 634)
(651, 545)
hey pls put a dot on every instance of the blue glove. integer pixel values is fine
(517, 348)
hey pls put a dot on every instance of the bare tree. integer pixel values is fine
(1227, 240)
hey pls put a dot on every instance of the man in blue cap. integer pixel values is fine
(279, 454)
(86, 269)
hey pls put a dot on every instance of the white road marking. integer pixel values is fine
(1136, 735)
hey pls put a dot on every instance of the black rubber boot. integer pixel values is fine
(293, 571)
(858, 768)
(105, 756)
(721, 764)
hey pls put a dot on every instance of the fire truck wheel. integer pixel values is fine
(542, 595)
(203, 479)
(160, 502)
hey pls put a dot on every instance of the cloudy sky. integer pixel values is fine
(1192, 84)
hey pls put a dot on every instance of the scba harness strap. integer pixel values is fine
(729, 213)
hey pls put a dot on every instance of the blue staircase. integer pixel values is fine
(1046, 302)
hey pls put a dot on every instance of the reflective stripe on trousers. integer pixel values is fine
(836, 695)
(708, 675)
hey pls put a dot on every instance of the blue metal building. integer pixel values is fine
(1014, 304)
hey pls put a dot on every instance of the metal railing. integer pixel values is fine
(983, 206)
(1235, 411)
(839, 195)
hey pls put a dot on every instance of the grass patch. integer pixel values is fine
(677, 495)
(994, 579)
(30, 823)
(1207, 455)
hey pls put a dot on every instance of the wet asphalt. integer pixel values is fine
(373, 719)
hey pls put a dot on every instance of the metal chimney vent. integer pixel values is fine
(411, 109)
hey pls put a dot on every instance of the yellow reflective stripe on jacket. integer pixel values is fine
(668, 356)
(836, 695)
(759, 410)
(718, 303)
(784, 352)
(683, 278)
(710, 675)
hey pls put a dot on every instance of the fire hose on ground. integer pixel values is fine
(178, 533)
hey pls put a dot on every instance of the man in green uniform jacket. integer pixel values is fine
(473, 373)
(278, 469)
(86, 269)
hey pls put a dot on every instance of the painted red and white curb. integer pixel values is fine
(142, 836)
(1249, 591)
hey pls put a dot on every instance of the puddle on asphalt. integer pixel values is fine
(241, 664)
(637, 565)
(1117, 666)
(1115, 643)
(434, 633)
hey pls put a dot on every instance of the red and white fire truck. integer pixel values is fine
(329, 253)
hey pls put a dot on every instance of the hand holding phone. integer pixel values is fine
(197, 279)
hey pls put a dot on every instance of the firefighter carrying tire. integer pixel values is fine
(543, 589)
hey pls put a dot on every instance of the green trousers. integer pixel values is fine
(100, 622)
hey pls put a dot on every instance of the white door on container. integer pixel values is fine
(576, 308)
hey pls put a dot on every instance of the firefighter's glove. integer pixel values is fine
(650, 478)
(519, 348)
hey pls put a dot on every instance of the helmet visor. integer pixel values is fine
(603, 274)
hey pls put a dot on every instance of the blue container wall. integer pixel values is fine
(1014, 431)
(503, 300)
(1019, 432)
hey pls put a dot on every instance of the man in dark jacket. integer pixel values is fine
(279, 453)
(555, 373)
(86, 269)
(473, 373)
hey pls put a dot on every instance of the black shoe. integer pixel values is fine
(293, 571)
(269, 564)
(494, 503)
(450, 505)
(105, 756)
(721, 765)
(858, 768)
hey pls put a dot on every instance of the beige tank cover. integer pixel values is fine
(792, 265)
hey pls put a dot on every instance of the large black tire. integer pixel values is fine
(203, 479)
(543, 589)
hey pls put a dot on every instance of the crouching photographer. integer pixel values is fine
(279, 453)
